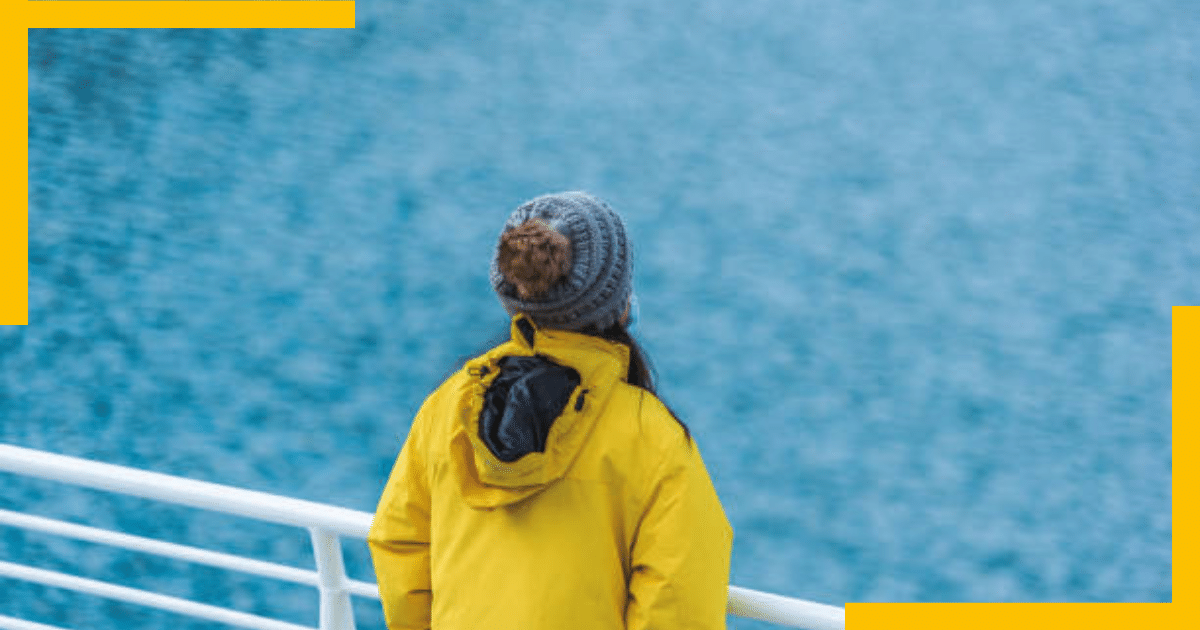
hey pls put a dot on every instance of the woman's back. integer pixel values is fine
(573, 536)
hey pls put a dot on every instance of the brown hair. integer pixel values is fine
(534, 257)
(641, 370)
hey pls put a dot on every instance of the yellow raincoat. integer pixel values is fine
(616, 525)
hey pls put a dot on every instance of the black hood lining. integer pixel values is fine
(521, 404)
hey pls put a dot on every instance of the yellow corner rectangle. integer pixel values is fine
(1185, 411)
(188, 14)
(1012, 616)
(23, 15)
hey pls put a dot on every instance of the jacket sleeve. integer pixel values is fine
(680, 556)
(399, 538)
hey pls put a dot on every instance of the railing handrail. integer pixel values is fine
(318, 518)
(182, 491)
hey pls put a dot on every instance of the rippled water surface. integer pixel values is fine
(906, 270)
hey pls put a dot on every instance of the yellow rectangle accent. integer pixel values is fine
(14, 211)
(1185, 415)
(1012, 616)
(188, 14)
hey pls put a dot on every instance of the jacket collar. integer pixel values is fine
(596, 359)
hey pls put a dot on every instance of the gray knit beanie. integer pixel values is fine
(597, 279)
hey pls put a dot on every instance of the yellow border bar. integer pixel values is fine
(188, 14)
(1012, 616)
(1185, 414)
(14, 137)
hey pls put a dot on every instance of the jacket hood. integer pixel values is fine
(487, 481)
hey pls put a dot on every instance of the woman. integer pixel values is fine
(544, 485)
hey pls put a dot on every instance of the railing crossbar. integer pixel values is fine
(179, 552)
(144, 598)
(159, 548)
(12, 623)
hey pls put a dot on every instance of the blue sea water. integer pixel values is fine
(905, 269)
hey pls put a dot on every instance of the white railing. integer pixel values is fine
(325, 523)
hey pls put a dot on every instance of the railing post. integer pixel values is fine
(336, 611)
